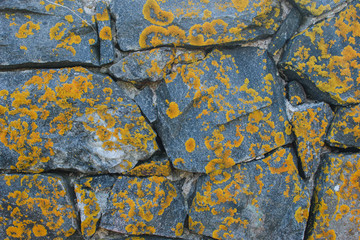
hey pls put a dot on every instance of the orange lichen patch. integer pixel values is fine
(154, 168)
(301, 215)
(190, 145)
(92, 41)
(314, 8)
(105, 33)
(27, 29)
(57, 33)
(69, 18)
(205, 33)
(104, 16)
(42, 196)
(68, 42)
(173, 110)
(163, 18)
(158, 34)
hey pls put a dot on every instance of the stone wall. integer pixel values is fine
(199, 119)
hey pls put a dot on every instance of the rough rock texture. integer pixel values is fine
(151, 205)
(35, 207)
(250, 199)
(156, 166)
(69, 119)
(39, 33)
(221, 111)
(336, 198)
(316, 7)
(344, 131)
(324, 58)
(198, 23)
(295, 93)
(310, 123)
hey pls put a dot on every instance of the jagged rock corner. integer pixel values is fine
(160, 120)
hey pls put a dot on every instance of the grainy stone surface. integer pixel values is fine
(295, 93)
(151, 205)
(220, 111)
(344, 131)
(248, 200)
(35, 207)
(70, 119)
(151, 23)
(310, 124)
(324, 58)
(336, 198)
(317, 7)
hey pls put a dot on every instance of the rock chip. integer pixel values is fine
(316, 7)
(35, 207)
(264, 199)
(151, 205)
(69, 119)
(38, 32)
(146, 103)
(156, 166)
(220, 111)
(295, 93)
(310, 124)
(336, 198)
(151, 23)
(91, 195)
(344, 131)
(324, 58)
(107, 52)
(285, 32)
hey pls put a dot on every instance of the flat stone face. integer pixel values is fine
(220, 111)
(39, 33)
(295, 93)
(317, 7)
(151, 23)
(263, 199)
(344, 131)
(337, 193)
(324, 58)
(69, 119)
(310, 124)
(35, 207)
(151, 205)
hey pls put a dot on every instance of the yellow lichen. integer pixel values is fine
(173, 110)
(105, 33)
(27, 29)
(190, 145)
(163, 18)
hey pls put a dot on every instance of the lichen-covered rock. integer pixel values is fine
(263, 199)
(152, 65)
(310, 123)
(145, 100)
(220, 111)
(336, 199)
(91, 195)
(69, 119)
(295, 93)
(156, 166)
(316, 7)
(285, 32)
(107, 52)
(37, 32)
(324, 58)
(35, 207)
(151, 205)
(151, 23)
(344, 131)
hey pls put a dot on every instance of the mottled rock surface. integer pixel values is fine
(295, 93)
(316, 7)
(35, 207)
(344, 131)
(263, 199)
(151, 205)
(69, 119)
(40, 33)
(220, 111)
(336, 198)
(324, 58)
(151, 23)
(310, 124)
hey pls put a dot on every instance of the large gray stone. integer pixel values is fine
(263, 199)
(324, 58)
(310, 124)
(223, 110)
(36, 33)
(151, 23)
(316, 7)
(35, 207)
(344, 131)
(336, 212)
(69, 119)
(151, 205)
